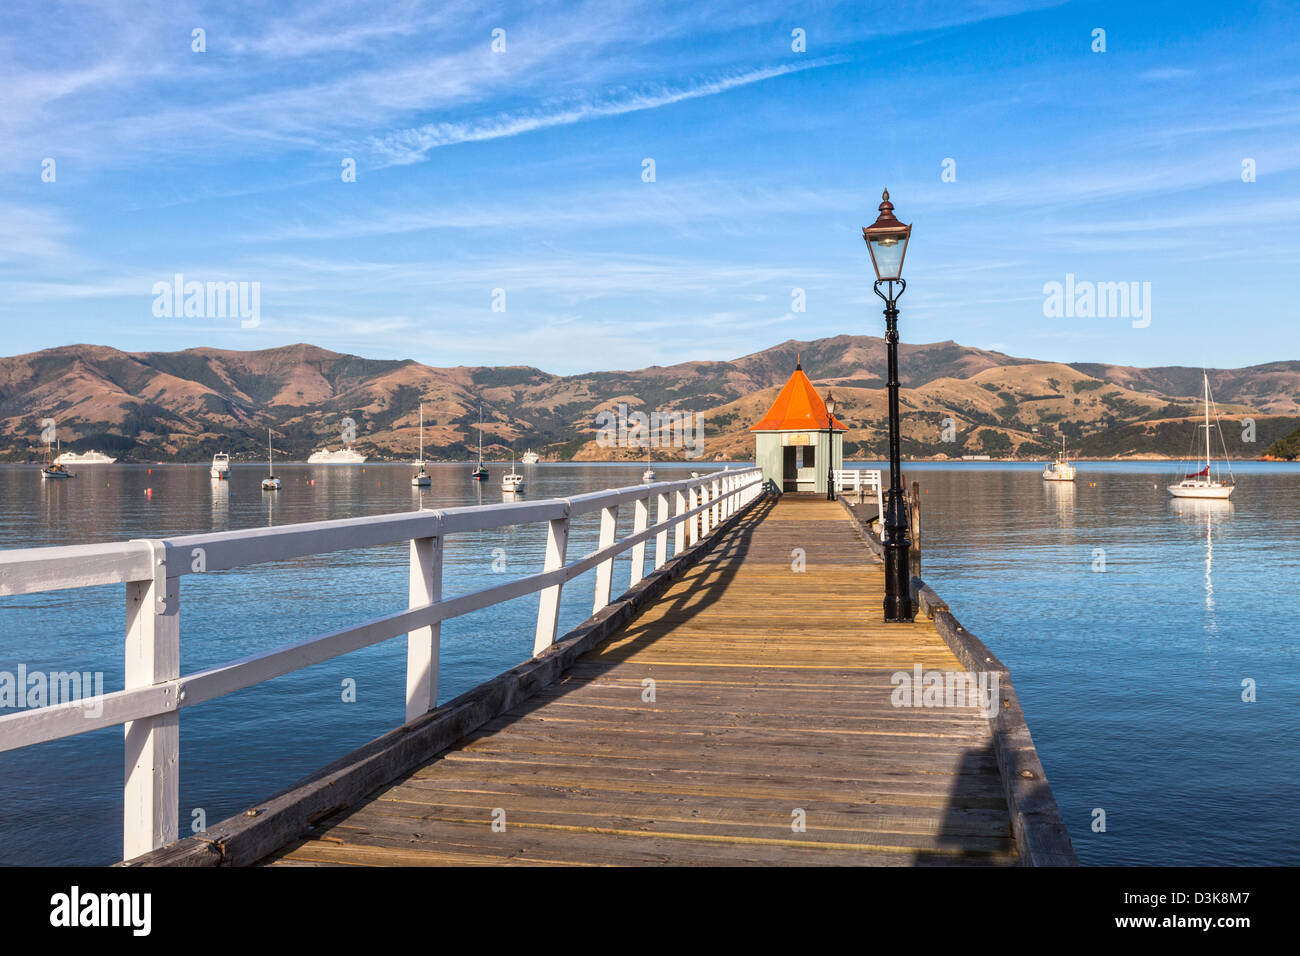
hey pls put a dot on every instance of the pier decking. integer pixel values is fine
(743, 717)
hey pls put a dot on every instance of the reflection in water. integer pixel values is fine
(220, 505)
(1213, 511)
(1060, 495)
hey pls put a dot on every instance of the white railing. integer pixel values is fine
(863, 482)
(151, 570)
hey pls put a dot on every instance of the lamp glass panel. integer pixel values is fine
(888, 254)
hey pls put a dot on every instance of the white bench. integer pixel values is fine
(863, 482)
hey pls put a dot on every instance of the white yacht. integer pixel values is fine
(530, 457)
(220, 469)
(91, 457)
(1061, 469)
(1201, 484)
(421, 478)
(344, 456)
(270, 482)
(513, 481)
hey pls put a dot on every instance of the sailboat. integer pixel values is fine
(270, 482)
(480, 473)
(649, 473)
(1200, 484)
(54, 469)
(513, 481)
(1061, 469)
(421, 477)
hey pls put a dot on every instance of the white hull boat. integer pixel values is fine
(530, 457)
(421, 478)
(512, 482)
(91, 457)
(1202, 484)
(1201, 489)
(270, 482)
(344, 456)
(1061, 469)
(220, 470)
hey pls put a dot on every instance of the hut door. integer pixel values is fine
(790, 473)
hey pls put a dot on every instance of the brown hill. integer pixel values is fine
(187, 405)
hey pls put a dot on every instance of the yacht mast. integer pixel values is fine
(1206, 378)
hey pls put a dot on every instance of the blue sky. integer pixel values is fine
(522, 170)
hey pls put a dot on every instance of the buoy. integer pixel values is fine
(148, 492)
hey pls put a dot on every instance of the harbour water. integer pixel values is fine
(1129, 621)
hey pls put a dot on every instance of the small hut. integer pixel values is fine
(798, 442)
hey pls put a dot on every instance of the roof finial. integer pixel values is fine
(798, 362)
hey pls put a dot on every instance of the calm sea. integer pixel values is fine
(1131, 677)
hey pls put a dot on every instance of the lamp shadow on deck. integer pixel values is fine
(976, 824)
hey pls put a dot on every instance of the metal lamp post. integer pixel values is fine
(830, 447)
(887, 240)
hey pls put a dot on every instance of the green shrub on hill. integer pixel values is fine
(1288, 447)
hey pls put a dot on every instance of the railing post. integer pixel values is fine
(641, 519)
(679, 542)
(423, 643)
(715, 510)
(661, 539)
(151, 794)
(696, 493)
(548, 607)
(605, 570)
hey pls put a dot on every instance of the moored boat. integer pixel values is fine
(54, 469)
(1203, 484)
(344, 456)
(220, 470)
(421, 478)
(270, 482)
(91, 457)
(480, 472)
(1061, 469)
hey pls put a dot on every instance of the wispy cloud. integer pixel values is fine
(412, 145)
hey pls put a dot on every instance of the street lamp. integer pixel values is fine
(886, 240)
(830, 446)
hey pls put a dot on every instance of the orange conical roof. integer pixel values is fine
(798, 406)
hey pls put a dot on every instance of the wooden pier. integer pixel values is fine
(771, 709)
(737, 704)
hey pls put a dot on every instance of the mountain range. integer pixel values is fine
(956, 400)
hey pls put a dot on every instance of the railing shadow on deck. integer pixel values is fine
(706, 590)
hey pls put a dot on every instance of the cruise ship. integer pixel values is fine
(91, 457)
(530, 458)
(344, 456)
